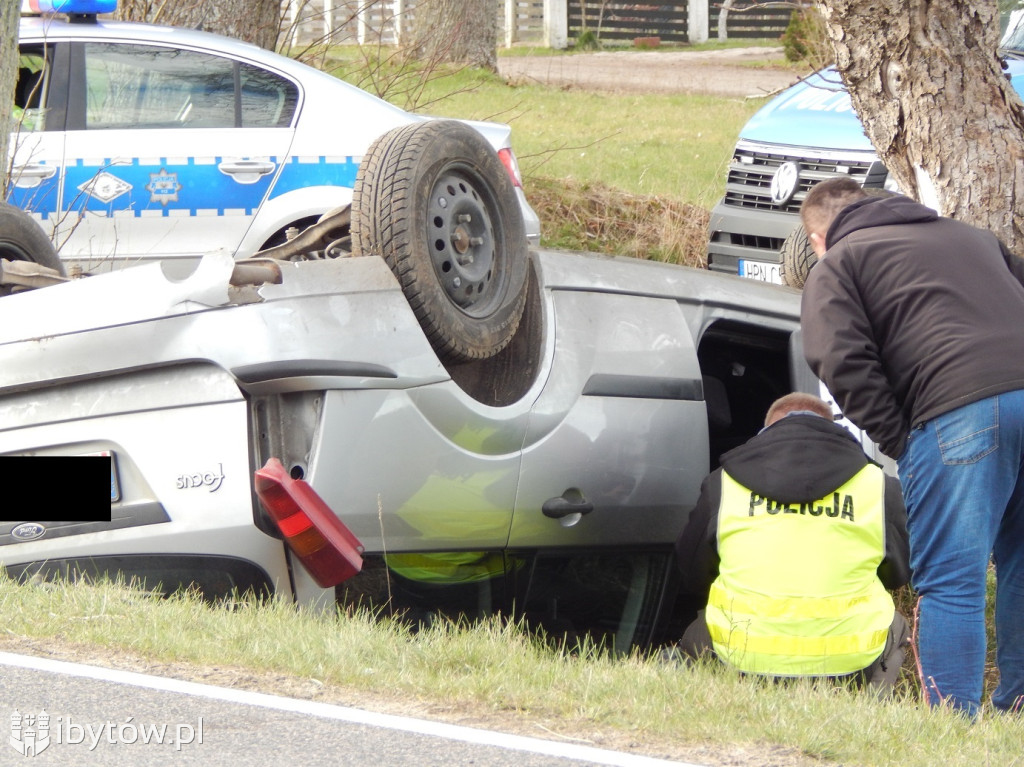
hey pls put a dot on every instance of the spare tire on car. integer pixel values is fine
(797, 258)
(22, 239)
(436, 202)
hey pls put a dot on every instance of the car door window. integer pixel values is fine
(611, 598)
(36, 141)
(149, 87)
(267, 100)
(31, 89)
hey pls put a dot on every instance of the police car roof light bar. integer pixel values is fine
(76, 9)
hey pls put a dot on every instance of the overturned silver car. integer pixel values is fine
(531, 443)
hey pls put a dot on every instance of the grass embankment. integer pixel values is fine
(631, 174)
(497, 674)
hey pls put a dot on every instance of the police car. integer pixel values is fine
(135, 142)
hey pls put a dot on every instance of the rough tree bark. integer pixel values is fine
(255, 21)
(458, 31)
(925, 79)
(10, 12)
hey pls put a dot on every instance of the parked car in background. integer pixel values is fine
(807, 134)
(135, 142)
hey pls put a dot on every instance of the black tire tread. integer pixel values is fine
(797, 258)
(384, 213)
(22, 239)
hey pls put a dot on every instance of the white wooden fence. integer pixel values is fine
(384, 21)
(542, 22)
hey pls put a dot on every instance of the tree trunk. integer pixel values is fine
(10, 12)
(723, 20)
(457, 31)
(255, 21)
(925, 79)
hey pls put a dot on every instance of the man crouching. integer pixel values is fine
(793, 543)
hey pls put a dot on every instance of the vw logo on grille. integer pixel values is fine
(785, 182)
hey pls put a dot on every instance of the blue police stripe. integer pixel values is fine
(197, 186)
(40, 199)
(168, 187)
(298, 175)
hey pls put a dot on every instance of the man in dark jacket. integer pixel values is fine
(793, 543)
(916, 324)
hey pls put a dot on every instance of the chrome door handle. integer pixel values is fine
(29, 176)
(247, 171)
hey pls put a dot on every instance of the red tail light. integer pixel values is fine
(321, 541)
(508, 159)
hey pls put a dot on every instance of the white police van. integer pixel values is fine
(134, 142)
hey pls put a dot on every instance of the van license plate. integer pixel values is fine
(761, 271)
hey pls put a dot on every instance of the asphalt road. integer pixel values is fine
(108, 718)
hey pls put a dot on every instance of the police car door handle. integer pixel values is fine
(572, 501)
(28, 176)
(247, 171)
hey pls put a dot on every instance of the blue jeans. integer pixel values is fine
(963, 480)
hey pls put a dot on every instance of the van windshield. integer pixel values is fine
(1012, 42)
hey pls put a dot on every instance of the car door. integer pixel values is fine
(37, 135)
(169, 152)
(618, 438)
(613, 459)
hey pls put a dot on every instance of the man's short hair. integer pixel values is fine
(823, 203)
(794, 401)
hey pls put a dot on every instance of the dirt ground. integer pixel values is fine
(733, 72)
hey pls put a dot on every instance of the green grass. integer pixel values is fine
(630, 174)
(499, 672)
(674, 145)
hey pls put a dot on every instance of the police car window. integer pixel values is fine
(267, 101)
(138, 86)
(30, 91)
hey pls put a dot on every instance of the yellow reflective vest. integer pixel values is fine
(797, 592)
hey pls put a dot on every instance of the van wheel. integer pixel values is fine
(22, 239)
(435, 201)
(797, 258)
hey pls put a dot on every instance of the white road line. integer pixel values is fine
(341, 713)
